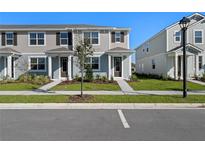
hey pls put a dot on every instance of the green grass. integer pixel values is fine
(155, 84)
(105, 99)
(18, 86)
(87, 86)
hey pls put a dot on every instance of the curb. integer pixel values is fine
(102, 106)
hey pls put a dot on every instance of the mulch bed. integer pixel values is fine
(94, 81)
(79, 99)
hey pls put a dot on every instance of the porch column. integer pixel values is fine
(176, 66)
(130, 66)
(5, 66)
(50, 67)
(69, 68)
(109, 67)
(196, 65)
(9, 66)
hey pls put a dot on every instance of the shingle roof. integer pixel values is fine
(8, 51)
(59, 50)
(119, 49)
(57, 26)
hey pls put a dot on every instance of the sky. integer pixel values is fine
(143, 24)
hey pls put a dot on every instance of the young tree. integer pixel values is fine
(82, 51)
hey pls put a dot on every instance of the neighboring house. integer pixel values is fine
(49, 50)
(162, 53)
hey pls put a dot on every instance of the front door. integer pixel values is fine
(64, 66)
(117, 66)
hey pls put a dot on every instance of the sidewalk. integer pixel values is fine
(125, 87)
(198, 82)
(103, 106)
(145, 92)
(50, 85)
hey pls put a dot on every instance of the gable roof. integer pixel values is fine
(170, 26)
(9, 51)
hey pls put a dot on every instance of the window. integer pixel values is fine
(91, 37)
(9, 38)
(198, 38)
(93, 61)
(64, 38)
(147, 49)
(117, 37)
(177, 37)
(200, 62)
(37, 64)
(36, 38)
(153, 64)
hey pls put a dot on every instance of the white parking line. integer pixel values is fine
(123, 119)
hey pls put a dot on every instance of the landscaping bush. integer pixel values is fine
(203, 78)
(133, 77)
(6, 79)
(77, 78)
(89, 73)
(97, 77)
(34, 79)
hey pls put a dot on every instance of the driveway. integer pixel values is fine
(63, 124)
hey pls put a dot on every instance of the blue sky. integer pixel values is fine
(143, 25)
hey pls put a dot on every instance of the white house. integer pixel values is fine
(162, 53)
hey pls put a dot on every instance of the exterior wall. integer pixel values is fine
(126, 66)
(145, 65)
(1, 67)
(125, 44)
(157, 52)
(22, 65)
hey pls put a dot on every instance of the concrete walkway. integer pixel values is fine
(125, 87)
(50, 85)
(198, 82)
(38, 92)
(102, 106)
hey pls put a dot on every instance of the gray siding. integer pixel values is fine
(1, 67)
(55, 67)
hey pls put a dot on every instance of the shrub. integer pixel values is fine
(104, 78)
(89, 73)
(97, 77)
(134, 77)
(203, 78)
(34, 79)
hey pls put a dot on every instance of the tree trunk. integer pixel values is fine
(81, 82)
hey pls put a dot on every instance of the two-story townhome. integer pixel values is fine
(49, 50)
(162, 53)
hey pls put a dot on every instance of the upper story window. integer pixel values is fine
(9, 38)
(94, 62)
(37, 63)
(37, 38)
(198, 36)
(177, 36)
(63, 38)
(91, 37)
(200, 62)
(117, 37)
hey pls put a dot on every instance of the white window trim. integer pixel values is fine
(91, 35)
(120, 37)
(29, 62)
(37, 39)
(98, 56)
(179, 36)
(63, 38)
(6, 38)
(202, 36)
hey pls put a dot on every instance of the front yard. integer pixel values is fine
(158, 84)
(87, 86)
(18, 86)
(104, 99)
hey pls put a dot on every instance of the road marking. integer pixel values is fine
(123, 119)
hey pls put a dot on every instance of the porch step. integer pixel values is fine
(125, 87)
(50, 85)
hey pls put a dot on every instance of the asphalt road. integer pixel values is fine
(179, 124)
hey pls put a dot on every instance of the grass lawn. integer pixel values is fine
(105, 99)
(87, 86)
(155, 84)
(18, 86)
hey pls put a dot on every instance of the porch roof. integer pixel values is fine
(61, 50)
(190, 48)
(120, 50)
(7, 51)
